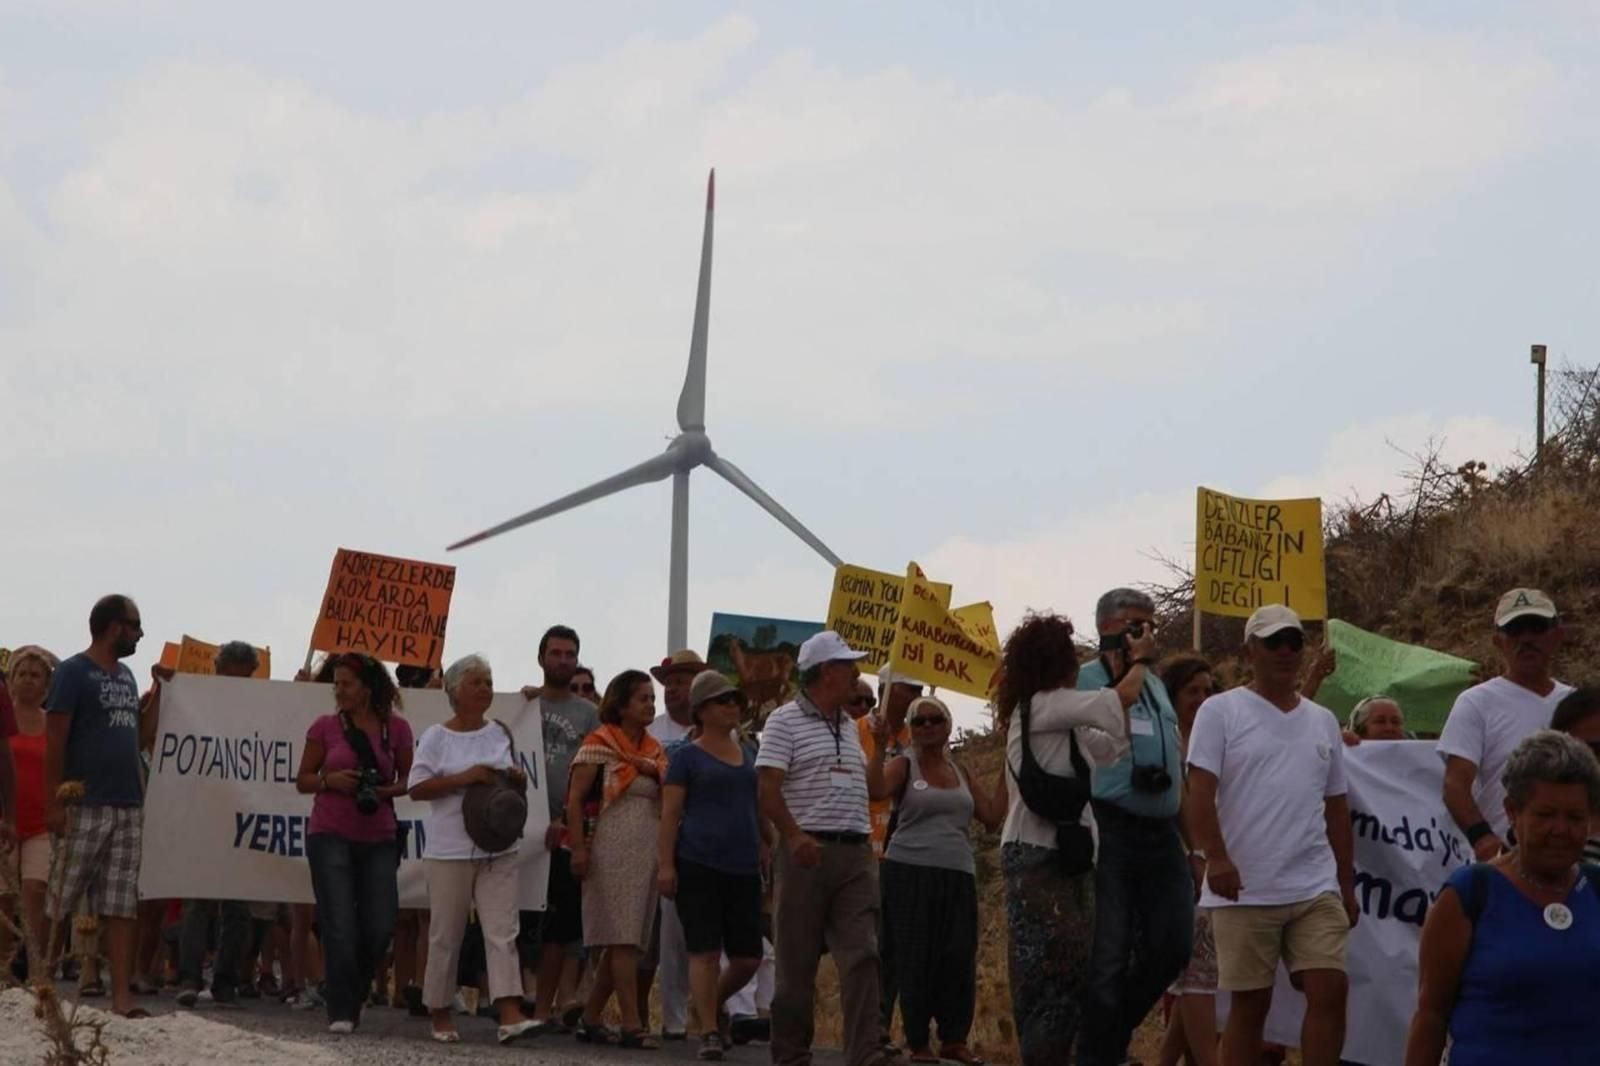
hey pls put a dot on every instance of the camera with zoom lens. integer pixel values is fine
(1119, 641)
(1150, 779)
(367, 792)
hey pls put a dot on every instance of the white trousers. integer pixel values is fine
(455, 887)
(673, 973)
(756, 996)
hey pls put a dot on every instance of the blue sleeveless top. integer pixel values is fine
(1528, 992)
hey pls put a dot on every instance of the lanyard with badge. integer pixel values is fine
(1154, 777)
(836, 727)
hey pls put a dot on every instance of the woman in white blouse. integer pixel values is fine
(451, 757)
(1050, 890)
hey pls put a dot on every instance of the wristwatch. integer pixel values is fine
(1196, 853)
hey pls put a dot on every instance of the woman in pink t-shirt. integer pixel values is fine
(351, 841)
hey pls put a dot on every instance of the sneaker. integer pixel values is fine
(711, 1048)
(188, 998)
(342, 1028)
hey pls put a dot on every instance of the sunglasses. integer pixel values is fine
(1292, 639)
(927, 719)
(584, 689)
(1528, 626)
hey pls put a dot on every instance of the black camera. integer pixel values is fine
(1119, 641)
(367, 792)
(1150, 779)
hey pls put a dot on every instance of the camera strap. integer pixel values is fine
(1154, 712)
(362, 744)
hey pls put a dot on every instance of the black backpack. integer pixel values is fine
(1058, 799)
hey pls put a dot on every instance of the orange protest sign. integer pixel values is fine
(394, 610)
(199, 657)
(169, 655)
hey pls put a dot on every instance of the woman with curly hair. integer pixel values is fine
(1054, 735)
(351, 841)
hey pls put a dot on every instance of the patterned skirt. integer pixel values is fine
(1051, 918)
(1200, 979)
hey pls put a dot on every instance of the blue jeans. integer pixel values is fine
(358, 902)
(1143, 933)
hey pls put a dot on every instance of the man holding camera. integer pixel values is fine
(1144, 885)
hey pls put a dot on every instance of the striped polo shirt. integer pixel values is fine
(825, 772)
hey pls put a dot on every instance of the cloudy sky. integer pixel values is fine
(996, 287)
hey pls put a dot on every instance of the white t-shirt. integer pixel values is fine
(1485, 727)
(1275, 769)
(665, 730)
(440, 753)
(1102, 739)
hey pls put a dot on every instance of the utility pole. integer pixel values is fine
(1537, 357)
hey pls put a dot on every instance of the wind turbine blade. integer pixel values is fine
(658, 468)
(736, 477)
(692, 400)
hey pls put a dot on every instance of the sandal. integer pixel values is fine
(711, 1047)
(638, 1040)
(92, 990)
(446, 1036)
(593, 1033)
(960, 1053)
(572, 1016)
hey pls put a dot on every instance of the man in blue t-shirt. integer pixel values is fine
(93, 736)
(1144, 887)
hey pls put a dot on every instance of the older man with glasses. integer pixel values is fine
(1489, 720)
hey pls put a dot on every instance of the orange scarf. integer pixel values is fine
(620, 759)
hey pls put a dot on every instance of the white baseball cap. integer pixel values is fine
(826, 647)
(1523, 603)
(888, 678)
(1273, 618)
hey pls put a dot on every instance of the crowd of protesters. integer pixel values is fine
(1161, 838)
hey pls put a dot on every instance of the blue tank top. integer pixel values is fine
(1528, 992)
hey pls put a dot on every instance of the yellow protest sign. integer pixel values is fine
(199, 657)
(864, 609)
(977, 621)
(1249, 553)
(937, 648)
(5, 661)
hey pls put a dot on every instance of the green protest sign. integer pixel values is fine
(1425, 682)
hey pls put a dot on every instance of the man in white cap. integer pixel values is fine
(814, 791)
(1269, 811)
(1489, 720)
(895, 695)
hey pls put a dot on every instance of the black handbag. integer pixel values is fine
(1058, 799)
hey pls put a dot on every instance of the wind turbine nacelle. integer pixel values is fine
(691, 449)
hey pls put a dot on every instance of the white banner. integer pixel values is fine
(223, 819)
(1406, 846)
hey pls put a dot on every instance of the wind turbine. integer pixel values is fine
(691, 448)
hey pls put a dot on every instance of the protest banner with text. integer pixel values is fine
(937, 648)
(1249, 553)
(864, 609)
(199, 657)
(394, 610)
(222, 812)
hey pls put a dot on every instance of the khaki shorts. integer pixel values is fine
(1304, 936)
